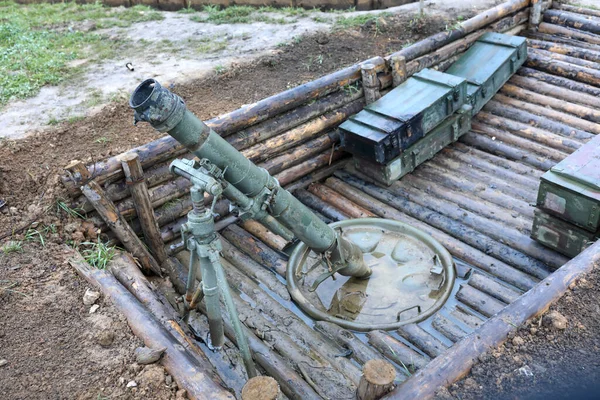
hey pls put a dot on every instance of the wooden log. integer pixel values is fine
(462, 171)
(119, 227)
(144, 210)
(398, 67)
(319, 174)
(477, 22)
(370, 83)
(298, 154)
(561, 39)
(266, 236)
(159, 195)
(479, 301)
(570, 33)
(167, 148)
(290, 382)
(564, 49)
(502, 162)
(337, 200)
(296, 172)
(447, 328)
(519, 142)
(432, 173)
(564, 58)
(321, 206)
(360, 351)
(256, 249)
(397, 351)
(294, 327)
(584, 112)
(452, 227)
(577, 10)
(457, 248)
(461, 45)
(377, 380)
(572, 20)
(492, 229)
(302, 133)
(422, 339)
(293, 118)
(315, 359)
(479, 206)
(124, 268)
(549, 139)
(261, 388)
(457, 362)
(494, 288)
(252, 269)
(501, 171)
(487, 143)
(535, 14)
(466, 317)
(573, 92)
(542, 117)
(190, 375)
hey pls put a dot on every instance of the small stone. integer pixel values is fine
(168, 380)
(525, 371)
(181, 395)
(3, 362)
(13, 210)
(147, 355)
(90, 297)
(533, 331)
(105, 338)
(131, 384)
(518, 341)
(94, 308)
(555, 320)
(121, 381)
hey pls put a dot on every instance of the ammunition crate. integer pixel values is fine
(571, 189)
(447, 132)
(559, 235)
(488, 64)
(385, 128)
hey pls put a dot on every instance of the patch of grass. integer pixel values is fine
(61, 206)
(14, 246)
(351, 89)
(34, 235)
(358, 20)
(94, 98)
(75, 118)
(98, 254)
(53, 121)
(187, 10)
(102, 140)
(220, 69)
(38, 41)
(242, 15)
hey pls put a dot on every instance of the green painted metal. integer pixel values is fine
(413, 276)
(488, 64)
(561, 236)
(393, 123)
(571, 189)
(447, 132)
(167, 112)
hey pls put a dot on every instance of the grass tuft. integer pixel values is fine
(98, 254)
(14, 246)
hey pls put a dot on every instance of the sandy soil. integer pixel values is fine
(155, 51)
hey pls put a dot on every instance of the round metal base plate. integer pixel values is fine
(412, 278)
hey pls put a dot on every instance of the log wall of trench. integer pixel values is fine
(475, 197)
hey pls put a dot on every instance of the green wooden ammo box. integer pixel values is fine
(488, 64)
(559, 235)
(571, 189)
(385, 128)
(447, 132)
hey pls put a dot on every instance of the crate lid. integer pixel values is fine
(580, 172)
(418, 93)
(502, 39)
(481, 62)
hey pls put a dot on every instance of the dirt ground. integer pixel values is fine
(50, 344)
(556, 356)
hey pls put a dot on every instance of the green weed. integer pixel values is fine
(34, 234)
(61, 206)
(102, 140)
(13, 246)
(358, 20)
(98, 254)
(220, 69)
